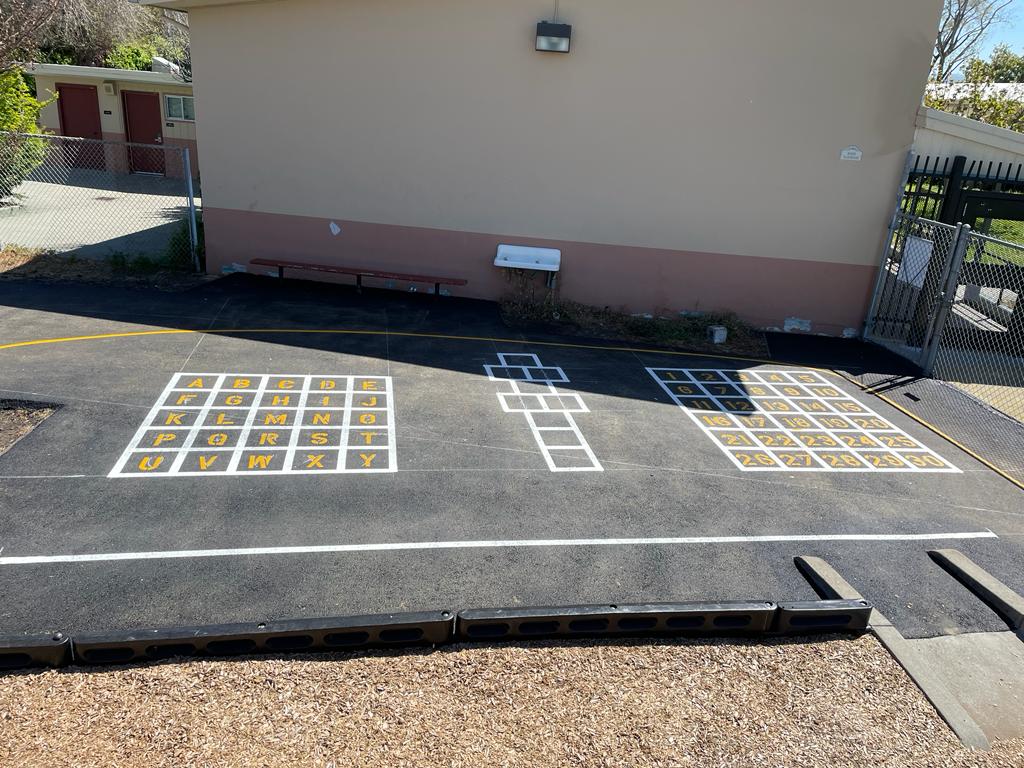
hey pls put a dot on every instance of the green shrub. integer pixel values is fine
(137, 55)
(19, 113)
(118, 262)
(179, 247)
(56, 56)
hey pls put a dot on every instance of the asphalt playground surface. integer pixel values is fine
(462, 505)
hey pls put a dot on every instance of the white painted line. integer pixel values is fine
(197, 425)
(794, 418)
(490, 544)
(301, 388)
(293, 438)
(525, 375)
(250, 419)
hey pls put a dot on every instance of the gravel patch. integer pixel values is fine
(17, 419)
(834, 702)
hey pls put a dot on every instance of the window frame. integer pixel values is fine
(181, 97)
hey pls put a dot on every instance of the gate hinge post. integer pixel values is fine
(930, 348)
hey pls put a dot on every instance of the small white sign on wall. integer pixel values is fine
(852, 152)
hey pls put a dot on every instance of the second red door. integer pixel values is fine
(144, 125)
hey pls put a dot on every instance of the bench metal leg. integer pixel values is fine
(359, 283)
(280, 271)
(437, 289)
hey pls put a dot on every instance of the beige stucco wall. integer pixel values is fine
(704, 125)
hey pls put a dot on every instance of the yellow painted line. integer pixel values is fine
(936, 430)
(64, 339)
(412, 334)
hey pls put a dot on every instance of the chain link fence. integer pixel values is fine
(979, 344)
(948, 300)
(97, 199)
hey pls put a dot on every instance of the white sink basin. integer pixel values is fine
(525, 257)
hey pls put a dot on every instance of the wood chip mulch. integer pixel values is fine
(17, 419)
(836, 702)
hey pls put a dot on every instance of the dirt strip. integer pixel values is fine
(17, 419)
(826, 703)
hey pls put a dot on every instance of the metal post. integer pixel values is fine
(930, 347)
(950, 213)
(193, 233)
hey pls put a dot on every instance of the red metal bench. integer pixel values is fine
(359, 273)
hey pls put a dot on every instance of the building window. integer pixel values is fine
(180, 108)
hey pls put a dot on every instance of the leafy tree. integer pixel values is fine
(979, 98)
(113, 33)
(1002, 66)
(19, 113)
(85, 31)
(983, 104)
(21, 24)
(962, 28)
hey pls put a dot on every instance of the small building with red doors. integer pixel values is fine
(120, 105)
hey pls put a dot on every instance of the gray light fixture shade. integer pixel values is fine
(552, 37)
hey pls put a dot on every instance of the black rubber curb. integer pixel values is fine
(397, 629)
(829, 584)
(19, 651)
(990, 590)
(729, 619)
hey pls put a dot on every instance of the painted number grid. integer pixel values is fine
(792, 420)
(259, 424)
(533, 391)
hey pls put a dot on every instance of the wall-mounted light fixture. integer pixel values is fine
(553, 37)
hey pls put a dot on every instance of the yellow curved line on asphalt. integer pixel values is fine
(413, 334)
(61, 340)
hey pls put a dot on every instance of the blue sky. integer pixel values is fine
(1012, 33)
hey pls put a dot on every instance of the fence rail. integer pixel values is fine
(96, 198)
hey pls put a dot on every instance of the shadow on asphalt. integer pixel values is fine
(262, 306)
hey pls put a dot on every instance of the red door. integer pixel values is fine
(79, 110)
(144, 126)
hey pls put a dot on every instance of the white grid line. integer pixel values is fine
(541, 398)
(293, 438)
(179, 452)
(250, 417)
(819, 454)
(196, 426)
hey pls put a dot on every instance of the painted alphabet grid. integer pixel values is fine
(260, 424)
(792, 420)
